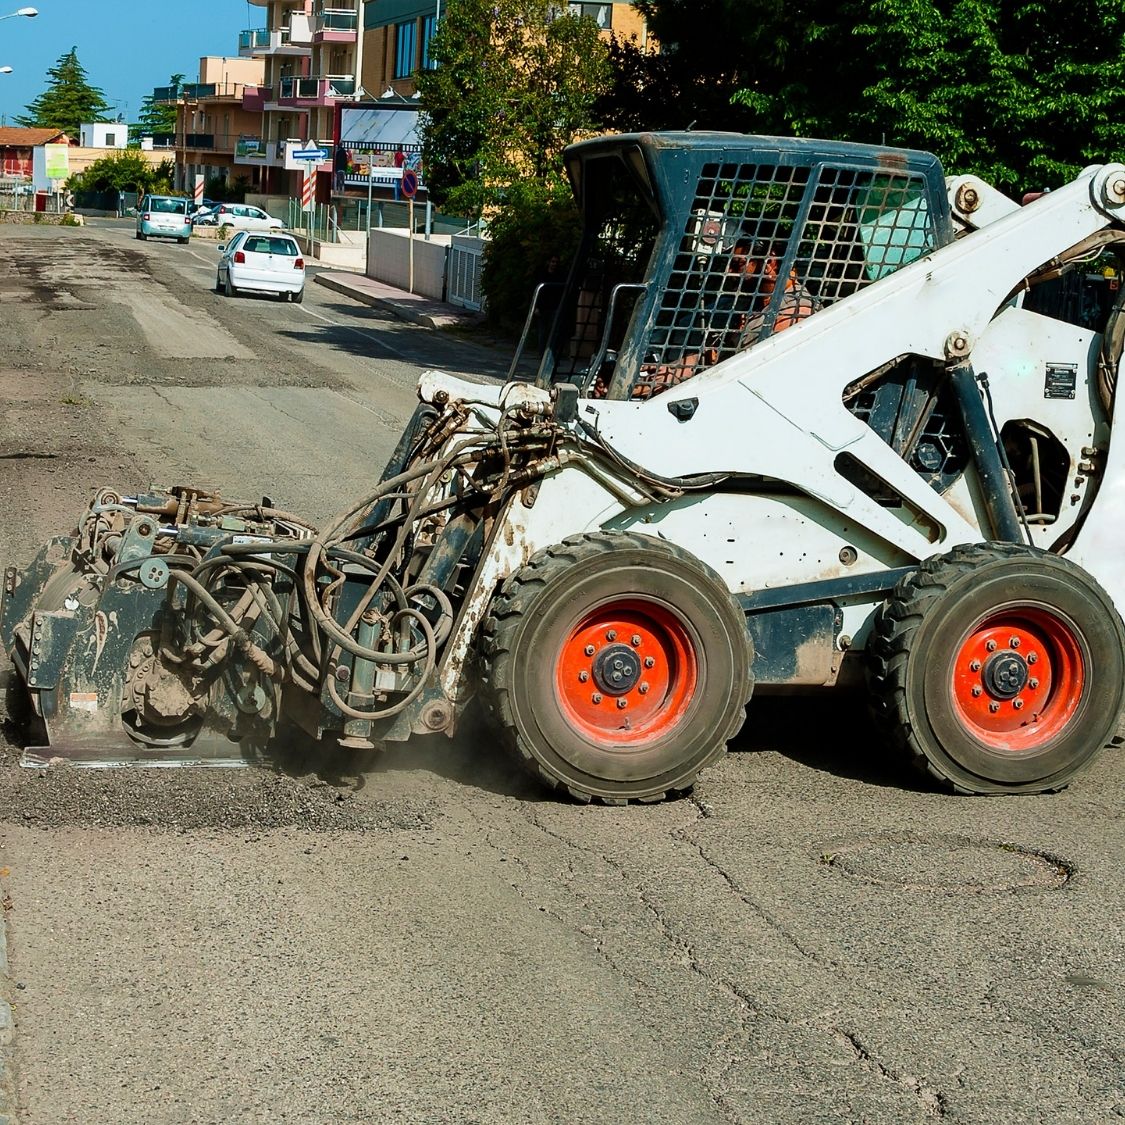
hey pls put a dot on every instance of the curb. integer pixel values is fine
(416, 310)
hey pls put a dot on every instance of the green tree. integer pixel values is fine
(1015, 90)
(515, 81)
(69, 101)
(124, 170)
(157, 117)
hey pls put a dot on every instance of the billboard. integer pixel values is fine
(376, 142)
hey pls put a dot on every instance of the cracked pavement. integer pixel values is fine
(422, 935)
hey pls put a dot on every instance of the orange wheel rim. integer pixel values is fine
(1018, 679)
(626, 673)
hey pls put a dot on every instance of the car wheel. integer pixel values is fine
(142, 237)
(228, 288)
(183, 241)
(297, 297)
(218, 282)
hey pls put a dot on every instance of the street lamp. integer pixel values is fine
(5, 70)
(21, 12)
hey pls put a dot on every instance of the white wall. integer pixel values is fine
(388, 260)
(104, 135)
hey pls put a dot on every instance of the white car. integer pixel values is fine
(244, 217)
(261, 262)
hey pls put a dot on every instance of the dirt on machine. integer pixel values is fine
(811, 416)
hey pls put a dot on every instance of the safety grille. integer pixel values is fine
(766, 246)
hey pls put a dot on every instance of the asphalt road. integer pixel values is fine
(422, 936)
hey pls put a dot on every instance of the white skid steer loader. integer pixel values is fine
(810, 417)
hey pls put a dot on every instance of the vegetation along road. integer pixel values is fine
(424, 936)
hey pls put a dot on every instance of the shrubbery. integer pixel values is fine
(536, 220)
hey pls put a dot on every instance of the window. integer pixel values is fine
(429, 29)
(601, 14)
(110, 140)
(406, 41)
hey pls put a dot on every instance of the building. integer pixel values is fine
(210, 118)
(17, 148)
(312, 55)
(397, 35)
(104, 134)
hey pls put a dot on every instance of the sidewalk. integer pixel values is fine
(406, 306)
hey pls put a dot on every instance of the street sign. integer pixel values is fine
(313, 155)
(409, 183)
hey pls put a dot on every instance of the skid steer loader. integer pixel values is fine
(911, 487)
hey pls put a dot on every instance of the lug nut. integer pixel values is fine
(611, 635)
(974, 666)
(1032, 657)
(635, 640)
(622, 704)
(589, 650)
(991, 646)
(643, 689)
(977, 689)
(1013, 642)
(597, 697)
(1033, 683)
(649, 661)
(1017, 704)
(994, 707)
(583, 677)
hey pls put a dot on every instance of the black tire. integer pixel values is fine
(228, 288)
(141, 237)
(218, 282)
(998, 669)
(651, 612)
(298, 297)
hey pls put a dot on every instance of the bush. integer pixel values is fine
(536, 221)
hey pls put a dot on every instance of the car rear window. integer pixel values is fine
(171, 206)
(272, 245)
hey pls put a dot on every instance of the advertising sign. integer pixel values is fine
(58, 161)
(376, 144)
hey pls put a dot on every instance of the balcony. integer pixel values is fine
(256, 41)
(317, 90)
(193, 91)
(254, 98)
(335, 25)
(167, 93)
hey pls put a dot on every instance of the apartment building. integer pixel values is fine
(210, 118)
(397, 35)
(311, 53)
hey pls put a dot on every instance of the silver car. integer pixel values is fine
(261, 262)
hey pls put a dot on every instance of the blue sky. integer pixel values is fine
(126, 48)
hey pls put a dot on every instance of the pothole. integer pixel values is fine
(947, 863)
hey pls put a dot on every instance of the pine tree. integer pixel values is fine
(69, 102)
(157, 117)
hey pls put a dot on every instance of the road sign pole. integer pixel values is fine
(410, 223)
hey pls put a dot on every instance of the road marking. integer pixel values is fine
(359, 332)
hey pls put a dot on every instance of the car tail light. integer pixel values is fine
(299, 264)
(146, 217)
(239, 258)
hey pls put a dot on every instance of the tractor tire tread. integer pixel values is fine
(510, 605)
(890, 643)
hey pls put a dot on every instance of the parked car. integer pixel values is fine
(163, 216)
(261, 262)
(203, 211)
(245, 217)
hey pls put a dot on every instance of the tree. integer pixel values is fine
(68, 102)
(515, 81)
(157, 117)
(1003, 88)
(124, 170)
